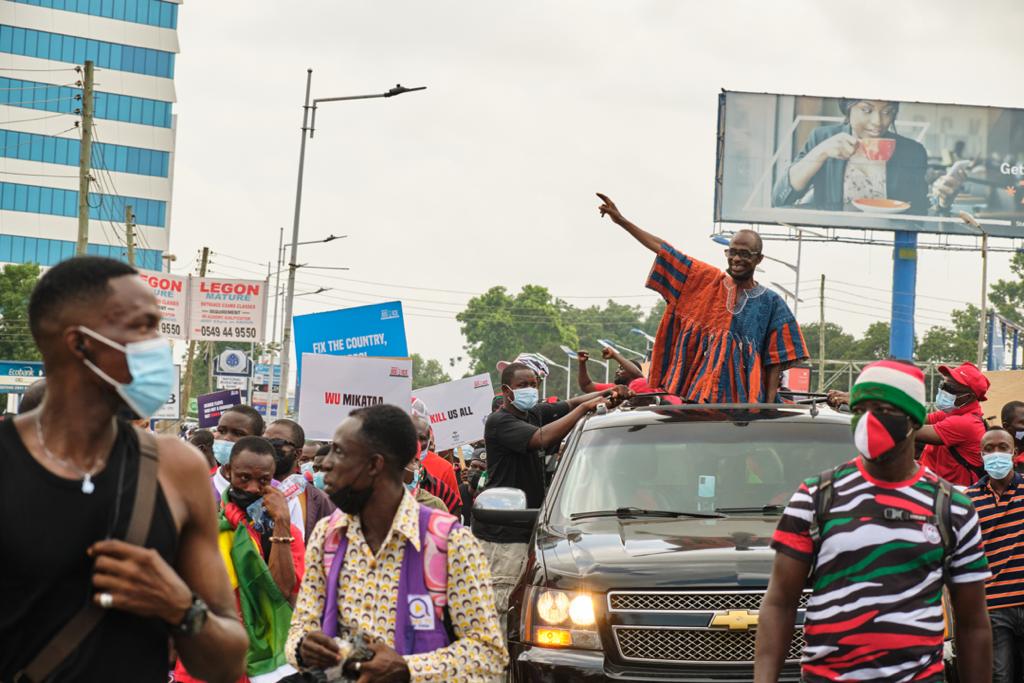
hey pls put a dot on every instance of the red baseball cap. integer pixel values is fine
(970, 376)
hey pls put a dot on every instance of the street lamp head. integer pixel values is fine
(721, 238)
(331, 238)
(399, 89)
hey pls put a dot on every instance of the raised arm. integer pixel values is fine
(280, 563)
(631, 368)
(586, 384)
(608, 208)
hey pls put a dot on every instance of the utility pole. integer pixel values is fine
(271, 400)
(129, 233)
(821, 336)
(190, 361)
(85, 163)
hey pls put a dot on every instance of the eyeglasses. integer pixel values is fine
(742, 254)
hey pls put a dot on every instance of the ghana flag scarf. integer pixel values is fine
(266, 613)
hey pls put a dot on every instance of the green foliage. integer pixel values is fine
(957, 344)
(838, 344)
(427, 373)
(16, 283)
(874, 345)
(1007, 296)
(498, 325)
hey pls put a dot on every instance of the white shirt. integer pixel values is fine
(294, 506)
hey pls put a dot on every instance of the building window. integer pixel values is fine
(47, 252)
(57, 47)
(149, 12)
(102, 207)
(65, 99)
(65, 151)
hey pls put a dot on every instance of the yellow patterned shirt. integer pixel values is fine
(368, 598)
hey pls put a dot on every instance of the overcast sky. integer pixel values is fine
(488, 177)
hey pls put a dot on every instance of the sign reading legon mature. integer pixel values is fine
(227, 310)
(171, 293)
(334, 386)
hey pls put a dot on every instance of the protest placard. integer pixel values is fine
(222, 309)
(374, 330)
(171, 292)
(458, 410)
(210, 406)
(334, 386)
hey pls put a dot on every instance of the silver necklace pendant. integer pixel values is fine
(87, 485)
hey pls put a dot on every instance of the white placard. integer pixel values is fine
(171, 293)
(457, 410)
(334, 386)
(222, 309)
(172, 409)
(232, 382)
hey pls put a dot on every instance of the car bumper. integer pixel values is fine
(546, 665)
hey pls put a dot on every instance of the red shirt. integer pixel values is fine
(442, 470)
(602, 387)
(962, 429)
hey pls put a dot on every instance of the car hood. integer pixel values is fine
(611, 553)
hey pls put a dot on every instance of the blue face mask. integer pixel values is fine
(524, 398)
(411, 486)
(222, 451)
(151, 365)
(945, 401)
(998, 465)
(318, 480)
(306, 469)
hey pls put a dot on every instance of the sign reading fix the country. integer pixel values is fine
(171, 293)
(458, 410)
(334, 386)
(374, 330)
(210, 406)
(226, 310)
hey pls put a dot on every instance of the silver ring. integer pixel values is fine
(357, 666)
(106, 600)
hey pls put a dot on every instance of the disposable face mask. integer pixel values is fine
(222, 451)
(1019, 436)
(945, 401)
(152, 369)
(998, 465)
(318, 480)
(306, 469)
(524, 398)
(415, 483)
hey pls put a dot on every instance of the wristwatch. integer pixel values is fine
(195, 616)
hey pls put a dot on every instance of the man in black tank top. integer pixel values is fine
(69, 476)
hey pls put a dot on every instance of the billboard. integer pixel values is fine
(869, 164)
(222, 309)
(374, 330)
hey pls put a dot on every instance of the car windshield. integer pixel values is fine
(697, 467)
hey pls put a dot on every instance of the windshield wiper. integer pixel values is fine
(766, 509)
(626, 512)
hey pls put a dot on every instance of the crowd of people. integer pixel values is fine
(269, 557)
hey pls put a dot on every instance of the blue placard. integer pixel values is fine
(374, 330)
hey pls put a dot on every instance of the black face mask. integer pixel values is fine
(351, 501)
(621, 381)
(243, 499)
(474, 480)
(284, 458)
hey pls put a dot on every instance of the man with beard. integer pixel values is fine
(876, 539)
(624, 374)
(288, 437)
(434, 618)
(263, 553)
(724, 338)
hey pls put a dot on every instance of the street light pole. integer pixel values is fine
(308, 124)
(982, 322)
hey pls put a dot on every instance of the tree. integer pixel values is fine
(1007, 296)
(955, 344)
(16, 283)
(874, 345)
(427, 373)
(838, 343)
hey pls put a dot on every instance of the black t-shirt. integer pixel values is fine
(511, 463)
(46, 577)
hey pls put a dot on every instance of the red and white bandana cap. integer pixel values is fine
(899, 384)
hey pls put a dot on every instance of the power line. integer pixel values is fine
(40, 175)
(39, 118)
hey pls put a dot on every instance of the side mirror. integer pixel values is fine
(504, 506)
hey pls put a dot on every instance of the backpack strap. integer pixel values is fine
(979, 472)
(85, 621)
(822, 504)
(944, 521)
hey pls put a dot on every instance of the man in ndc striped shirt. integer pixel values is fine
(999, 500)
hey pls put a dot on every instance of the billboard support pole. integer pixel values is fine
(904, 283)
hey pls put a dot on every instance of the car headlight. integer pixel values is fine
(557, 618)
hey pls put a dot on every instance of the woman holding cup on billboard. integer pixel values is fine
(864, 163)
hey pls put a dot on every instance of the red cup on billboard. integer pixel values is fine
(878, 149)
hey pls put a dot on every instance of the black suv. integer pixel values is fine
(651, 553)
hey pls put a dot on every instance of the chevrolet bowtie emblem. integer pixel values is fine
(735, 620)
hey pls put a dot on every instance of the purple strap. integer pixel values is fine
(408, 640)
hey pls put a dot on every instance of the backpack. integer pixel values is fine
(941, 516)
